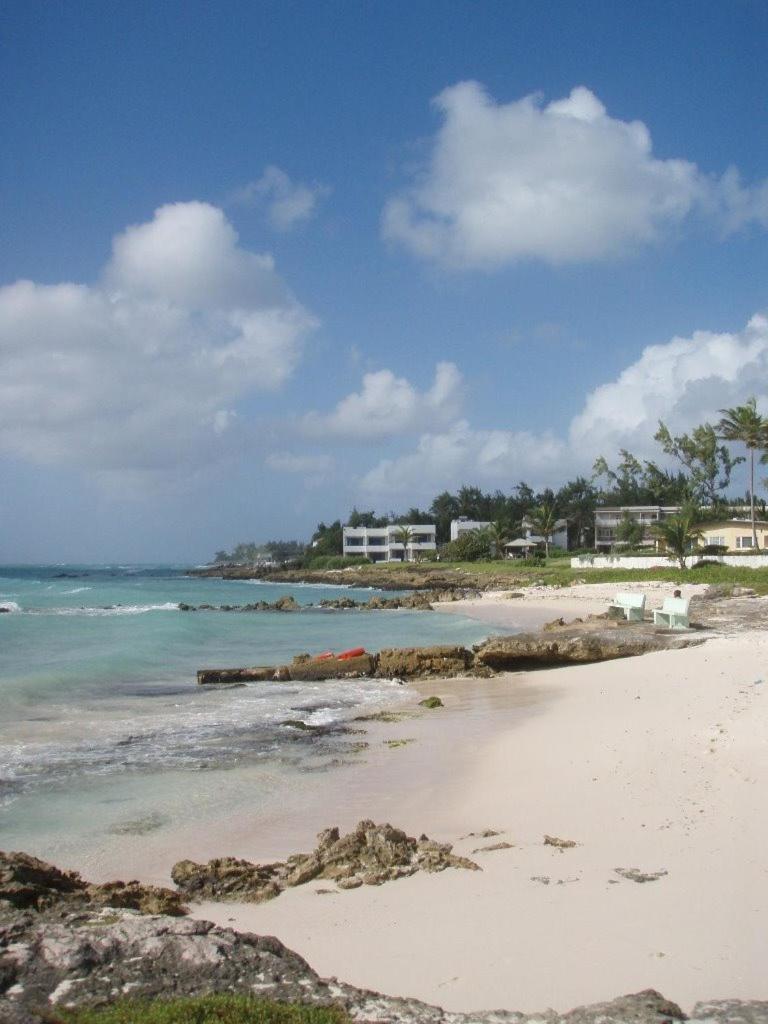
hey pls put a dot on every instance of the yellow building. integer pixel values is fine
(735, 534)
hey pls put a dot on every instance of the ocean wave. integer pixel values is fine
(9, 606)
(76, 590)
(118, 609)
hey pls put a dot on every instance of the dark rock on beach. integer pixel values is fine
(370, 855)
(573, 645)
(27, 882)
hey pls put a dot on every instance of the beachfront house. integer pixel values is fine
(463, 525)
(405, 542)
(608, 520)
(735, 534)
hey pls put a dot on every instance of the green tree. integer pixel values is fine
(709, 464)
(544, 521)
(404, 536)
(471, 546)
(678, 533)
(221, 557)
(328, 540)
(744, 423)
(498, 535)
(630, 531)
(577, 501)
(443, 509)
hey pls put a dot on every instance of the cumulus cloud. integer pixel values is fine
(142, 371)
(484, 457)
(289, 462)
(684, 382)
(287, 203)
(387, 406)
(563, 183)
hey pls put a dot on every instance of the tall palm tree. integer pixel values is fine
(544, 520)
(744, 423)
(404, 535)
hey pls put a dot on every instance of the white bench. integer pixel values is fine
(632, 605)
(673, 613)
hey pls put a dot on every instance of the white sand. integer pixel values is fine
(656, 762)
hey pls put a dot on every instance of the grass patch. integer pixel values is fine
(211, 1009)
(555, 574)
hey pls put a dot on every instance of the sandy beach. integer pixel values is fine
(655, 763)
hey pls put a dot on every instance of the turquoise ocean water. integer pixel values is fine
(104, 732)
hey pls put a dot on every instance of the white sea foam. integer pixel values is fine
(9, 606)
(76, 590)
(122, 609)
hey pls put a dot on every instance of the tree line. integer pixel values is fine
(703, 464)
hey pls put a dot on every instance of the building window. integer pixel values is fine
(715, 541)
(744, 542)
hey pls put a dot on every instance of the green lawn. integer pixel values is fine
(558, 572)
(212, 1009)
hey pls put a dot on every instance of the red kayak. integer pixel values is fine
(353, 652)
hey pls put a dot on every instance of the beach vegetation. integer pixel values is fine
(544, 522)
(218, 1008)
(679, 534)
(709, 462)
(743, 423)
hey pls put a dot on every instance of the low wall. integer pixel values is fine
(659, 561)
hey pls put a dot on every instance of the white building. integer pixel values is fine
(464, 525)
(607, 521)
(386, 543)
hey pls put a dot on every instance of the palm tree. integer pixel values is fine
(679, 532)
(404, 535)
(498, 535)
(744, 423)
(544, 520)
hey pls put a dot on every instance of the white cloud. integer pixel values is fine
(287, 203)
(685, 381)
(562, 183)
(288, 462)
(141, 371)
(387, 406)
(462, 455)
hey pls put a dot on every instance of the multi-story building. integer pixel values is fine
(464, 525)
(607, 521)
(390, 543)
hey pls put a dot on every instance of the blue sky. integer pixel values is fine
(264, 261)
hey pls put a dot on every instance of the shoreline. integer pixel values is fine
(653, 763)
(646, 763)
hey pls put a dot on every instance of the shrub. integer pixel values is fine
(211, 1009)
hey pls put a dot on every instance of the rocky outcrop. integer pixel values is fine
(26, 882)
(370, 855)
(88, 959)
(559, 644)
(573, 645)
(429, 577)
(443, 660)
(282, 604)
